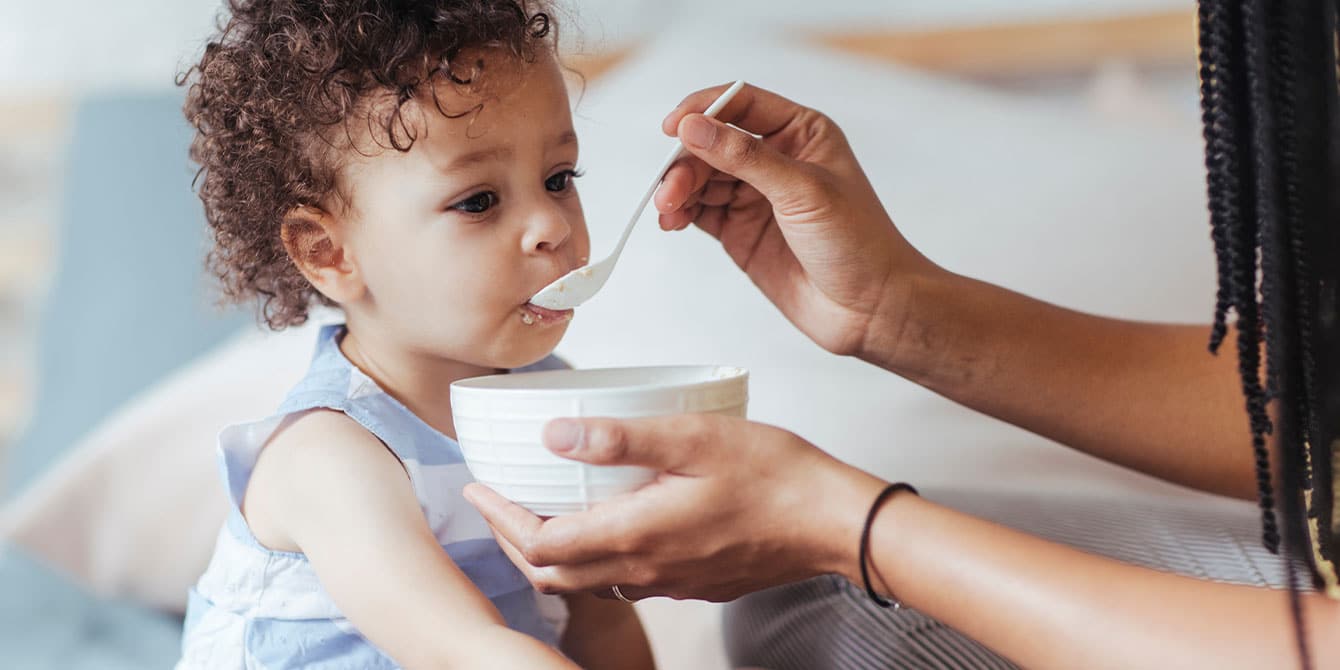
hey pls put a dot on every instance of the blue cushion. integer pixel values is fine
(130, 302)
(46, 623)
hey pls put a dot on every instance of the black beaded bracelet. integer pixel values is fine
(864, 552)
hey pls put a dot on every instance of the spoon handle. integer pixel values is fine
(675, 154)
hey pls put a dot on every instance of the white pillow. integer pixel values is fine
(1028, 194)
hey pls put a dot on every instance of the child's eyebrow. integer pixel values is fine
(491, 155)
(498, 154)
(568, 137)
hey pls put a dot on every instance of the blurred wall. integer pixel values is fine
(95, 43)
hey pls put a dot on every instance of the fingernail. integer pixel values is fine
(563, 435)
(697, 132)
(663, 207)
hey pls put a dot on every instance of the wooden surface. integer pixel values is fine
(1034, 48)
(1046, 47)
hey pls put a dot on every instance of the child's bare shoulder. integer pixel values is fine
(303, 431)
(313, 456)
(322, 438)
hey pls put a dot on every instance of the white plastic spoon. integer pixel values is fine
(576, 287)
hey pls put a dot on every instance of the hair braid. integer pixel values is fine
(1233, 225)
(1271, 110)
(1216, 82)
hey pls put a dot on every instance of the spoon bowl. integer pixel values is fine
(580, 285)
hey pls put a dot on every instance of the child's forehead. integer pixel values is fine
(512, 108)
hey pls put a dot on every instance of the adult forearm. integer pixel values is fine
(1044, 605)
(1123, 391)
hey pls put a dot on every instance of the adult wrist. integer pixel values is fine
(863, 558)
(904, 313)
(845, 492)
(877, 512)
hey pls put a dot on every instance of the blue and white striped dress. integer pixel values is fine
(260, 609)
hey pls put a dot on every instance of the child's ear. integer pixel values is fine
(315, 242)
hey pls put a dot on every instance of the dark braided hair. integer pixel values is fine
(1272, 156)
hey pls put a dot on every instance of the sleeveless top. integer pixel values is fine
(258, 608)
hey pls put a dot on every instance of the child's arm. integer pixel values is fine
(328, 487)
(605, 634)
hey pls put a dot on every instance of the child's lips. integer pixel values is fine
(542, 315)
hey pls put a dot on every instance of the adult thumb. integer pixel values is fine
(666, 443)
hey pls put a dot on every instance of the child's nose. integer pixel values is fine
(547, 230)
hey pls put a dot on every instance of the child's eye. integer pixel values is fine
(561, 181)
(477, 203)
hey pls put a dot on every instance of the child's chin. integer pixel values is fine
(535, 348)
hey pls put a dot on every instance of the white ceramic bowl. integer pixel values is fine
(499, 420)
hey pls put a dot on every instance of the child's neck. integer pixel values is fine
(421, 383)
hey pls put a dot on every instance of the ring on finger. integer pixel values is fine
(619, 594)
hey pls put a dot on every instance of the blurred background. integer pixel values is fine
(1116, 59)
(1041, 144)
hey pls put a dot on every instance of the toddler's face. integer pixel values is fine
(453, 237)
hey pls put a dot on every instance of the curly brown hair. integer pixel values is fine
(281, 75)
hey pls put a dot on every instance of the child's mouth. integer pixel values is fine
(536, 315)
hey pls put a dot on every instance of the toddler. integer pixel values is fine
(411, 162)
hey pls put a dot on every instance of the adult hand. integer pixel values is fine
(739, 506)
(795, 211)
